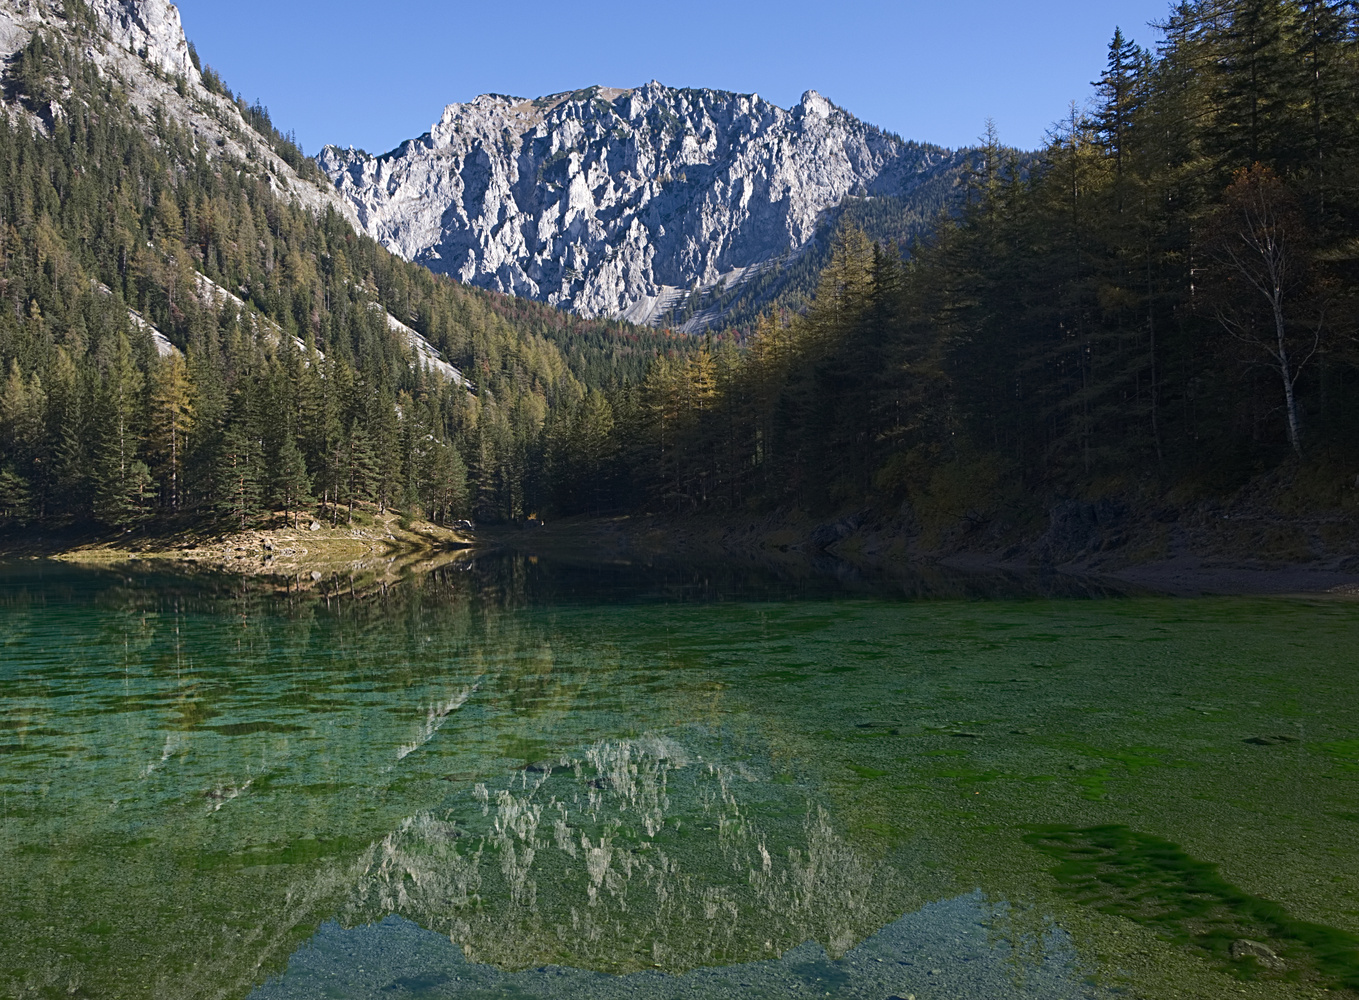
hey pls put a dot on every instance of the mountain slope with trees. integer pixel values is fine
(1158, 316)
(185, 339)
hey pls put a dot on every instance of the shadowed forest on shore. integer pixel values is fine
(1157, 308)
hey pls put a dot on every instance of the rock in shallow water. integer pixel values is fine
(1243, 949)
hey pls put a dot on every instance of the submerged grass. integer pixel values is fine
(1345, 752)
(1151, 881)
(145, 715)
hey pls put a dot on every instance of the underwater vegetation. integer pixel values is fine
(1153, 882)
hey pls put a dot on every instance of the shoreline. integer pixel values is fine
(366, 555)
(784, 546)
(382, 552)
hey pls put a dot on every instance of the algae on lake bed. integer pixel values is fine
(197, 778)
(1153, 882)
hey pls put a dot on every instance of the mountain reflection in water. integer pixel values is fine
(669, 781)
(639, 852)
(951, 948)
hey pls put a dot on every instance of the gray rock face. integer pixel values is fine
(150, 28)
(141, 43)
(620, 202)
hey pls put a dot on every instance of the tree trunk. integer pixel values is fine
(1286, 372)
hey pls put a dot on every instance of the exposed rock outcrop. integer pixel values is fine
(164, 348)
(141, 44)
(150, 28)
(425, 353)
(621, 202)
(1077, 528)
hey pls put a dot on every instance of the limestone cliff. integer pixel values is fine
(622, 202)
(141, 43)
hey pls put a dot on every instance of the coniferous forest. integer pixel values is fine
(1159, 304)
(301, 401)
(1162, 305)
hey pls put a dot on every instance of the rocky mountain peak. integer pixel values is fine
(150, 28)
(621, 201)
(814, 105)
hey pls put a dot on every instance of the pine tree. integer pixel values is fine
(292, 484)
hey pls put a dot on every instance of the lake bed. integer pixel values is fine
(515, 778)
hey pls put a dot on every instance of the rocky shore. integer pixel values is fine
(377, 549)
(1107, 547)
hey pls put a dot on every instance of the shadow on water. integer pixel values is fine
(559, 580)
(1153, 882)
(506, 579)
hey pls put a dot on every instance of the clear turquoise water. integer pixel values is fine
(528, 780)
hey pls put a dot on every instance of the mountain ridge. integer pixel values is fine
(623, 202)
(146, 49)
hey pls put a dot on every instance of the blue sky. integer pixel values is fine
(372, 74)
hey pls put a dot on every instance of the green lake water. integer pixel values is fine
(521, 779)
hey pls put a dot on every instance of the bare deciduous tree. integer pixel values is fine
(1260, 241)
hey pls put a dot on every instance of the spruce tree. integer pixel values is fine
(387, 447)
(68, 438)
(1253, 81)
(15, 506)
(171, 422)
(360, 466)
(238, 466)
(1120, 91)
(292, 484)
(238, 489)
(22, 425)
(122, 493)
(594, 448)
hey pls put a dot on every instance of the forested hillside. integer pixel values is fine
(277, 385)
(789, 288)
(1162, 309)
(1157, 308)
